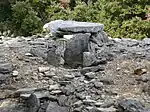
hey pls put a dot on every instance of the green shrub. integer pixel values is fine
(122, 18)
(25, 19)
(55, 11)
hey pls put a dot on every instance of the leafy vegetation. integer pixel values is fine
(122, 18)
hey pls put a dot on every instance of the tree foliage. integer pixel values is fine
(122, 18)
(25, 20)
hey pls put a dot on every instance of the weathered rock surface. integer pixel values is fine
(6, 68)
(111, 69)
(131, 106)
(33, 103)
(73, 54)
(54, 107)
(89, 59)
(73, 26)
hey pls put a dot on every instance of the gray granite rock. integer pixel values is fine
(89, 59)
(55, 92)
(51, 105)
(146, 41)
(68, 90)
(73, 54)
(25, 90)
(38, 94)
(92, 69)
(62, 100)
(43, 107)
(52, 57)
(12, 106)
(1, 42)
(98, 85)
(52, 98)
(39, 52)
(99, 38)
(90, 75)
(110, 109)
(88, 101)
(15, 73)
(6, 68)
(131, 106)
(3, 78)
(43, 69)
(54, 107)
(78, 103)
(79, 109)
(59, 109)
(107, 81)
(54, 87)
(146, 88)
(73, 26)
(80, 96)
(33, 103)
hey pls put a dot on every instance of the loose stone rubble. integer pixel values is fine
(87, 72)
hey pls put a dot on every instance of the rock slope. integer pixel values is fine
(118, 82)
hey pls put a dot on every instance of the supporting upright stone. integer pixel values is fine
(73, 54)
(89, 59)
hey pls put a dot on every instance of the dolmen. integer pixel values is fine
(76, 43)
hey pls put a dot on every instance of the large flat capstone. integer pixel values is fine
(59, 26)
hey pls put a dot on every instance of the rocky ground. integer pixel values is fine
(29, 84)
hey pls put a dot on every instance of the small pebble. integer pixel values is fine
(28, 54)
(43, 69)
(15, 73)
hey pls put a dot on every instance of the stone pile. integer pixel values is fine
(95, 87)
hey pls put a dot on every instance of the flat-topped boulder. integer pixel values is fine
(67, 27)
(80, 27)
